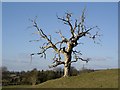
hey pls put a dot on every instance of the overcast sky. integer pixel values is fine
(16, 34)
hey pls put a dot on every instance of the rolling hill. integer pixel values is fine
(97, 79)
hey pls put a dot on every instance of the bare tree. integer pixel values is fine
(66, 46)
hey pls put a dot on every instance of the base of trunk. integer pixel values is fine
(66, 71)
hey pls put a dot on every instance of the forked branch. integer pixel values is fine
(57, 62)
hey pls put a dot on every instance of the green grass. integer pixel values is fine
(18, 86)
(97, 79)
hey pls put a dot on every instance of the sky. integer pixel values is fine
(17, 32)
(60, 1)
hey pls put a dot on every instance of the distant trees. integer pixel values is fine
(59, 71)
(4, 69)
(30, 77)
(73, 71)
(27, 78)
(35, 76)
(0, 76)
(5, 76)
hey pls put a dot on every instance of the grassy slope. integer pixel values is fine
(105, 79)
(98, 79)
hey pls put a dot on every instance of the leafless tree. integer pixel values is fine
(78, 30)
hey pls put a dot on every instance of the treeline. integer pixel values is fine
(35, 76)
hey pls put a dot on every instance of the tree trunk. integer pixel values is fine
(67, 70)
(67, 65)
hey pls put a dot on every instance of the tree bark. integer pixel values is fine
(67, 65)
(67, 70)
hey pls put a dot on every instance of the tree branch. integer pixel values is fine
(77, 57)
(86, 60)
(44, 36)
(62, 37)
(76, 52)
(57, 62)
(67, 21)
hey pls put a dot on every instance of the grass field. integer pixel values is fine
(97, 79)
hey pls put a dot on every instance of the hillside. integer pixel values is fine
(98, 79)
